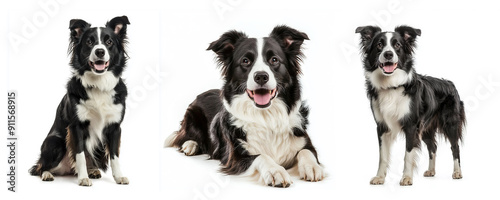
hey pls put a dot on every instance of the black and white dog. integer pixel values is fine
(86, 131)
(257, 121)
(407, 102)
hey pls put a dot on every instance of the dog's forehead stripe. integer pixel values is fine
(99, 35)
(260, 46)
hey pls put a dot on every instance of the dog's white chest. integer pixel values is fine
(100, 111)
(391, 106)
(268, 131)
(282, 147)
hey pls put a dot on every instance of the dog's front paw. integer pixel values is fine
(276, 177)
(429, 173)
(122, 180)
(189, 147)
(457, 175)
(311, 172)
(84, 182)
(47, 176)
(377, 180)
(94, 174)
(406, 181)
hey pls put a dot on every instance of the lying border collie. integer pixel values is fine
(404, 101)
(257, 122)
(86, 131)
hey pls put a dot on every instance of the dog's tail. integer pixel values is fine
(35, 170)
(169, 142)
(463, 120)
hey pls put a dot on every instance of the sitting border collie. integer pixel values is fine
(257, 121)
(404, 101)
(86, 131)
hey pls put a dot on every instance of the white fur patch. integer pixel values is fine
(431, 171)
(270, 173)
(47, 176)
(106, 81)
(117, 172)
(269, 131)
(457, 171)
(309, 169)
(100, 110)
(391, 106)
(189, 147)
(81, 168)
(381, 81)
(410, 162)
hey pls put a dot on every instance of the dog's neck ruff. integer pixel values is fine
(104, 82)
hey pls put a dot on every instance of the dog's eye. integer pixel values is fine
(274, 61)
(109, 42)
(89, 42)
(380, 45)
(397, 45)
(245, 62)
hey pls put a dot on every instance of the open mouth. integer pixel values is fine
(389, 67)
(99, 66)
(262, 97)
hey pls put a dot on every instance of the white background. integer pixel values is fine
(169, 66)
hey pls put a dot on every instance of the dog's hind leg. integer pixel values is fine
(53, 151)
(451, 123)
(193, 133)
(429, 138)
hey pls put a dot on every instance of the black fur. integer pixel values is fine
(435, 104)
(70, 134)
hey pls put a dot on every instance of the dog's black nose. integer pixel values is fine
(99, 53)
(261, 77)
(388, 55)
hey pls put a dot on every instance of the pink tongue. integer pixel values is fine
(100, 67)
(262, 99)
(389, 68)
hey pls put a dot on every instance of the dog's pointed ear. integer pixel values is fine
(409, 35)
(224, 47)
(367, 34)
(77, 27)
(119, 26)
(289, 38)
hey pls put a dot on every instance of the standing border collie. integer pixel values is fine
(404, 101)
(86, 131)
(257, 122)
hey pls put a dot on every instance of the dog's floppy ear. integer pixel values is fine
(291, 41)
(119, 26)
(367, 34)
(409, 35)
(290, 38)
(77, 27)
(224, 47)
